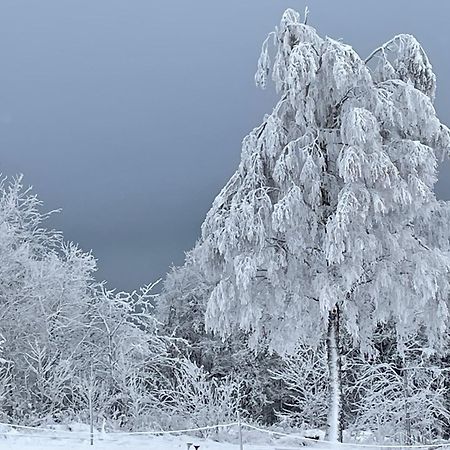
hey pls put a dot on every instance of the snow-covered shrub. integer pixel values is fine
(196, 399)
(304, 376)
(400, 398)
(181, 308)
(5, 379)
(63, 335)
(130, 361)
(49, 377)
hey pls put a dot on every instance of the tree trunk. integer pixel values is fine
(334, 426)
(406, 397)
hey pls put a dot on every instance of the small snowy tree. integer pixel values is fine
(131, 361)
(5, 378)
(44, 289)
(304, 374)
(181, 308)
(195, 399)
(399, 397)
(328, 221)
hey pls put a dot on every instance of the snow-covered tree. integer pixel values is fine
(304, 375)
(44, 288)
(389, 397)
(181, 308)
(195, 399)
(131, 362)
(64, 338)
(5, 378)
(399, 397)
(328, 221)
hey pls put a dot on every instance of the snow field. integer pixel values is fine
(254, 438)
(78, 437)
(131, 442)
(44, 442)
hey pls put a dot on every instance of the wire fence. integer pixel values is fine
(13, 430)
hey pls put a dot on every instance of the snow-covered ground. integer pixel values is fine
(49, 442)
(76, 436)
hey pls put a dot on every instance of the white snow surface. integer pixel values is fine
(47, 442)
(59, 437)
(136, 442)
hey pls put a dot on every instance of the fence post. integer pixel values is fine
(91, 407)
(241, 446)
(91, 418)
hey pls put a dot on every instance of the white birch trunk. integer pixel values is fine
(406, 397)
(334, 426)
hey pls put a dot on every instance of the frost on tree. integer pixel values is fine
(64, 338)
(330, 219)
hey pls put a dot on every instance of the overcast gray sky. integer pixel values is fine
(129, 114)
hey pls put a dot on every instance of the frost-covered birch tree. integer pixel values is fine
(329, 220)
